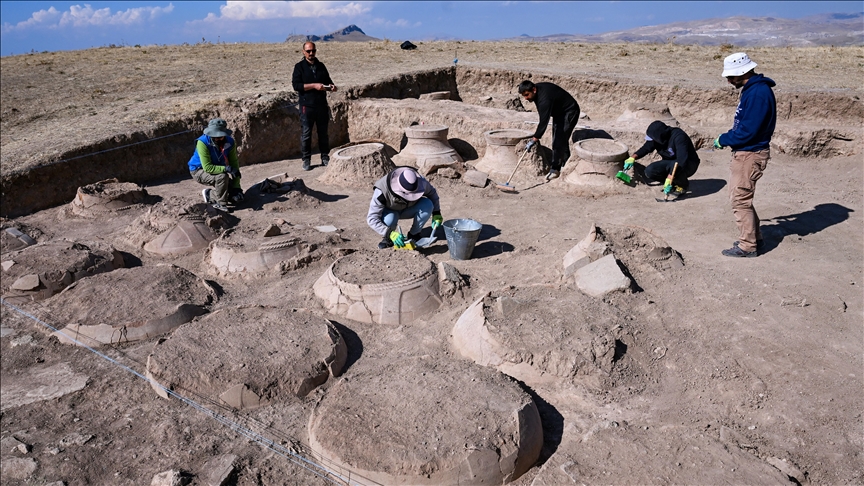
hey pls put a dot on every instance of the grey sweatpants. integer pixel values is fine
(221, 183)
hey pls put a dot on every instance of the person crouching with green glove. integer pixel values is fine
(673, 146)
(215, 163)
(402, 194)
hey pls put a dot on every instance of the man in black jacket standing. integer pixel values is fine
(674, 146)
(312, 81)
(552, 101)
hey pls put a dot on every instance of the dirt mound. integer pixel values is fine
(521, 332)
(358, 165)
(165, 215)
(105, 197)
(40, 271)
(134, 304)
(370, 268)
(222, 356)
(428, 421)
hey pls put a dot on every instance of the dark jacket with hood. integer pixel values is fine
(552, 101)
(755, 117)
(305, 73)
(672, 144)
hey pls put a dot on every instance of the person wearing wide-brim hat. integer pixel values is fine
(402, 194)
(215, 163)
(750, 141)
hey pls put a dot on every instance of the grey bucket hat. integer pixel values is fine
(217, 128)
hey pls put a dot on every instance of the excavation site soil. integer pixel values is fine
(596, 335)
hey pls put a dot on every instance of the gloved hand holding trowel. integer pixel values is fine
(403, 194)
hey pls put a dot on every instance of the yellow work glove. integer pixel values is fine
(628, 164)
(436, 221)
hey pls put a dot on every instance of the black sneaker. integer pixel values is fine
(325, 161)
(307, 165)
(739, 253)
(553, 174)
(385, 243)
(760, 245)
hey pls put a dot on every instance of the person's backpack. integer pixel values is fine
(407, 45)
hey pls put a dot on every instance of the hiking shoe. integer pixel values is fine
(385, 243)
(206, 194)
(325, 161)
(739, 253)
(760, 244)
(238, 198)
(307, 165)
(553, 174)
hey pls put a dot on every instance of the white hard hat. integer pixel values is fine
(737, 64)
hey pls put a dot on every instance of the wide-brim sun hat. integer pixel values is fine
(217, 128)
(405, 182)
(737, 64)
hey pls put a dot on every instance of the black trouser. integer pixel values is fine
(318, 116)
(562, 129)
(660, 170)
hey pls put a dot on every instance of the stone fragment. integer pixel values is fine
(18, 468)
(272, 230)
(171, 477)
(448, 172)
(789, 469)
(27, 282)
(327, 228)
(601, 277)
(507, 306)
(40, 384)
(475, 178)
(20, 341)
(7, 265)
(75, 439)
(11, 444)
(7, 331)
(220, 470)
(241, 397)
(57, 483)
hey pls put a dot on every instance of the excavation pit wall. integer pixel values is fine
(812, 124)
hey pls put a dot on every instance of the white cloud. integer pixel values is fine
(78, 16)
(269, 10)
(401, 23)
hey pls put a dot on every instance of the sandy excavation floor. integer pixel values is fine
(735, 371)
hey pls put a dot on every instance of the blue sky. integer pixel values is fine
(51, 26)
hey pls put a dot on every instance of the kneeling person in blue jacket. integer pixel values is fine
(215, 163)
(402, 194)
(673, 146)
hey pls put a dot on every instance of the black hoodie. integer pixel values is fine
(671, 143)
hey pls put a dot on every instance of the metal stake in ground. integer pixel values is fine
(506, 187)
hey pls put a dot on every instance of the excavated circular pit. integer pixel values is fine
(223, 357)
(390, 287)
(107, 197)
(504, 147)
(597, 160)
(427, 149)
(523, 333)
(453, 423)
(37, 272)
(357, 166)
(129, 304)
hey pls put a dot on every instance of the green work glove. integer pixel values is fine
(717, 144)
(628, 164)
(436, 221)
(397, 239)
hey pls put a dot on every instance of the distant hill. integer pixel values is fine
(352, 33)
(815, 30)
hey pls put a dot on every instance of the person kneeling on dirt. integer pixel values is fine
(402, 194)
(673, 146)
(215, 163)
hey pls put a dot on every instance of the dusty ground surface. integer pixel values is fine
(738, 370)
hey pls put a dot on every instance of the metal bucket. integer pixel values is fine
(461, 236)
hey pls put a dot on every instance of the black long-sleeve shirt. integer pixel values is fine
(552, 101)
(671, 143)
(305, 73)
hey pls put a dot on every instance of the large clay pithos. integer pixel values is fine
(503, 150)
(597, 161)
(427, 149)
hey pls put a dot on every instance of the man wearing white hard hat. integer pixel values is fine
(750, 141)
(402, 194)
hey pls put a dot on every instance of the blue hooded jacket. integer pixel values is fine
(755, 117)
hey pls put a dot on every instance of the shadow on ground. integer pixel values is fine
(806, 223)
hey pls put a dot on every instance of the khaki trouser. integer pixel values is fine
(747, 168)
(220, 182)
